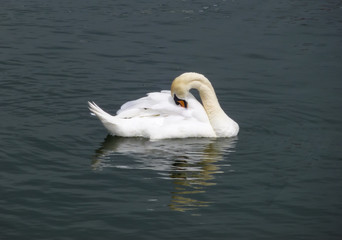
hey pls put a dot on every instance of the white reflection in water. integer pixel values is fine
(190, 163)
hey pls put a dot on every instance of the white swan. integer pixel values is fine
(171, 114)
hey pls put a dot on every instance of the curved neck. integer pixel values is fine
(208, 96)
(219, 120)
(222, 125)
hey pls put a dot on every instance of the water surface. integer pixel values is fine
(276, 68)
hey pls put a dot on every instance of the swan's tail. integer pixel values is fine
(98, 112)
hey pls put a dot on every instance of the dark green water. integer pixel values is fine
(276, 68)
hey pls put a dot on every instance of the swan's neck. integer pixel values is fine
(220, 122)
(208, 97)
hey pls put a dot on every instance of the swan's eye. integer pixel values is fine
(180, 102)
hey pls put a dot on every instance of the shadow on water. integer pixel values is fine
(190, 163)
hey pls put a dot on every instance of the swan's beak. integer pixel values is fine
(180, 102)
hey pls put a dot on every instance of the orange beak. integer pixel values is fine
(180, 102)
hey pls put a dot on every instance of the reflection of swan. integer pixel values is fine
(175, 114)
(190, 163)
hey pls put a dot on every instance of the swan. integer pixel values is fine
(171, 114)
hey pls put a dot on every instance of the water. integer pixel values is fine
(276, 67)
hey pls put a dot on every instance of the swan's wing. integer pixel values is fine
(149, 101)
(161, 104)
(157, 116)
(154, 104)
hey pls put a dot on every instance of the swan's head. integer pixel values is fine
(179, 91)
(181, 86)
